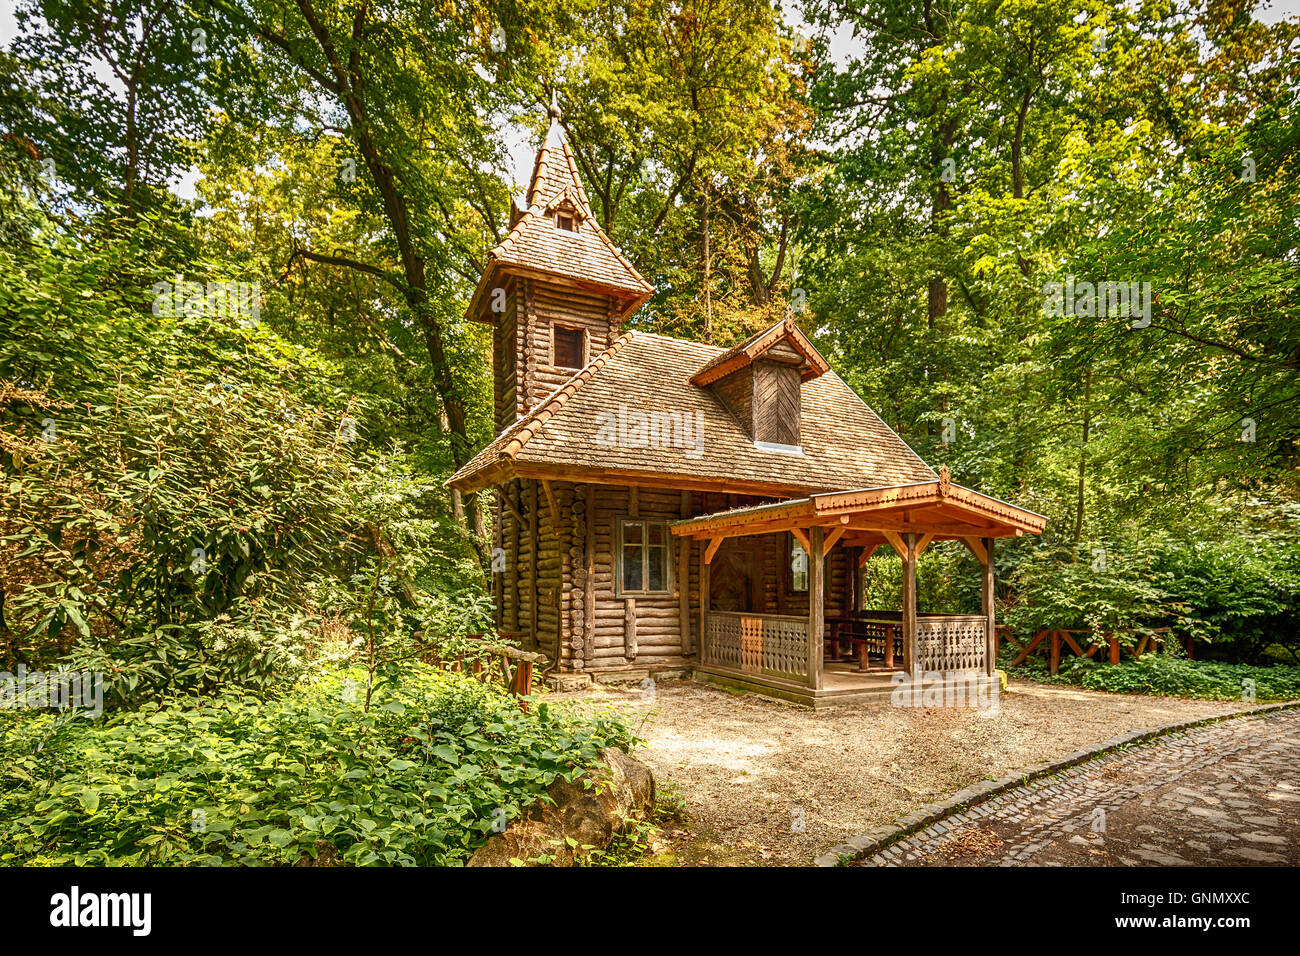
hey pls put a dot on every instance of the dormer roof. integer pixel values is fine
(784, 342)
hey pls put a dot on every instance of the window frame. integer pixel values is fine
(556, 328)
(567, 215)
(644, 546)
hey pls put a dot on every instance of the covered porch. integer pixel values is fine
(825, 647)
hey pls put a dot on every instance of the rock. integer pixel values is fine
(590, 811)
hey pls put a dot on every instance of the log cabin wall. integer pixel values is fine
(559, 590)
(524, 369)
(570, 606)
(506, 360)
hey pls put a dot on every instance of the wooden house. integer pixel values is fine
(664, 505)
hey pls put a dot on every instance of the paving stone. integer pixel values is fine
(1211, 795)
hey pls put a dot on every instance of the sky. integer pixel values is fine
(520, 143)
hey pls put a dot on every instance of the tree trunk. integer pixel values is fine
(1083, 453)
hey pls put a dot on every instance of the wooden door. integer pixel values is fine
(733, 577)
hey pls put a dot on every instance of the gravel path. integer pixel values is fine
(1225, 794)
(766, 782)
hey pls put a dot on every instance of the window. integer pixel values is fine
(569, 347)
(643, 557)
(797, 579)
(566, 221)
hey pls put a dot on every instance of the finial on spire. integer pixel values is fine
(554, 110)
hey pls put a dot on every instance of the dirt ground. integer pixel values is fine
(764, 782)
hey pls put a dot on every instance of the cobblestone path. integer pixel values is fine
(1224, 794)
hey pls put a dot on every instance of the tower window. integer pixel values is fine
(569, 347)
(566, 221)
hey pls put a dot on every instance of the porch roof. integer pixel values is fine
(936, 510)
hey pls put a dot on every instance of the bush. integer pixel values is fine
(1246, 588)
(1167, 675)
(422, 779)
(167, 483)
(1100, 588)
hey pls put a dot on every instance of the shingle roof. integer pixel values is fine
(594, 423)
(535, 243)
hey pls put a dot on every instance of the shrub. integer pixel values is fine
(1167, 675)
(422, 779)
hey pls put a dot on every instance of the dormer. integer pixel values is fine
(760, 381)
(566, 213)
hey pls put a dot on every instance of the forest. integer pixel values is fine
(1055, 244)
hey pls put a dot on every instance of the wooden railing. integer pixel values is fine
(768, 645)
(490, 662)
(945, 642)
(1084, 643)
(951, 642)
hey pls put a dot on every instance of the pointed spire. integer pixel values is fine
(555, 132)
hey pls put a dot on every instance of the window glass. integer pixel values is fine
(645, 557)
(655, 577)
(568, 347)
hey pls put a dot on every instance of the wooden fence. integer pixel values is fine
(492, 662)
(1055, 640)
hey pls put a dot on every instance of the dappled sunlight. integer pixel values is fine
(753, 771)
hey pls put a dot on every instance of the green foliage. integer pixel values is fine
(1168, 675)
(1095, 588)
(170, 481)
(423, 778)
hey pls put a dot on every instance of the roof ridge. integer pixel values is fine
(510, 236)
(636, 274)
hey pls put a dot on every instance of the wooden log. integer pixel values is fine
(535, 640)
(684, 578)
(704, 609)
(1029, 648)
(816, 605)
(911, 664)
(629, 630)
(1056, 652)
(987, 602)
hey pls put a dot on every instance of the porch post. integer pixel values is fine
(684, 593)
(816, 605)
(990, 613)
(704, 603)
(911, 663)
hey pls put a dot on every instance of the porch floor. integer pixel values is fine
(842, 683)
